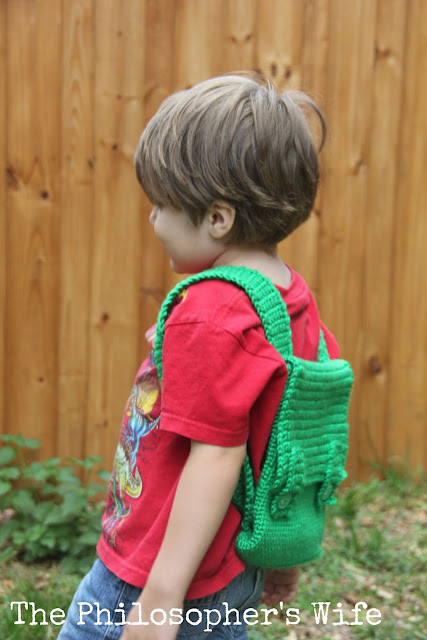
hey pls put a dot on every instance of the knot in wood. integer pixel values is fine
(374, 365)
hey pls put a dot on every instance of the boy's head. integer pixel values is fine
(234, 138)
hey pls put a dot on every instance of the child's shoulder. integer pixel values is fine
(216, 303)
(221, 309)
(226, 305)
(214, 324)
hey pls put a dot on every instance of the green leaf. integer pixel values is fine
(95, 487)
(104, 475)
(20, 441)
(52, 463)
(7, 554)
(49, 491)
(49, 542)
(87, 463)
(66, 474)
(89, 538)
(7, 529)
(64, 488)
(9, 473)
(74, 504)
(35, 471)
(65, 545)
(5, 486)
(55, 516)
(36, 532)
(22, 501)
(7, 454)
(19, 537)
(41, 511)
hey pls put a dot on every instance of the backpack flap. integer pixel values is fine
(304, 464)
(315, 417)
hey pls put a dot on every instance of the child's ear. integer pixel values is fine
(220, 216)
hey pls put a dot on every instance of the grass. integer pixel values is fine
(42, 584)
(374, 551)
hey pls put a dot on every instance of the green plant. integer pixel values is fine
(386, 570)
(399, 474)
(49, 512)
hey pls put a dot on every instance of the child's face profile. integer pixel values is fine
(191, 249)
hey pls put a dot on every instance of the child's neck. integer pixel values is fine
(263, 259)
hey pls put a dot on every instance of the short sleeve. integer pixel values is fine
(211, 381)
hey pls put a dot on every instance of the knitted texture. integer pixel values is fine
(283, 515)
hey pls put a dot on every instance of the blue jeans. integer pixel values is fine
(102, 602)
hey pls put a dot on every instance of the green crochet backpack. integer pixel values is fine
(283, 516)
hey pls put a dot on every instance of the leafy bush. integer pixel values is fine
(48, 512)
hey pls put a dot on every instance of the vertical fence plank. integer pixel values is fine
(158, 83)
(33, 166)
(280, 55)
(314, 72)
(378, 244)
(117, 241)
(407, 398)
(198, 56)
(198, 41)
(302, 249)
(341, 296)
(3, 228)
(78, 164)
(239, 35)
(279, 41)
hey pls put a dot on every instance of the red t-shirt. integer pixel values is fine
(222, 384)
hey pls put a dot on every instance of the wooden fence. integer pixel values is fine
(81, 275)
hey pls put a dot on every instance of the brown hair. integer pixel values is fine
(234, 138)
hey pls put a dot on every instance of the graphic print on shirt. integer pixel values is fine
(125, 482)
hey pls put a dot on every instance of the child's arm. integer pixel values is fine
(203, 496)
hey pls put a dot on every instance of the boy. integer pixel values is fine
(231, 168)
